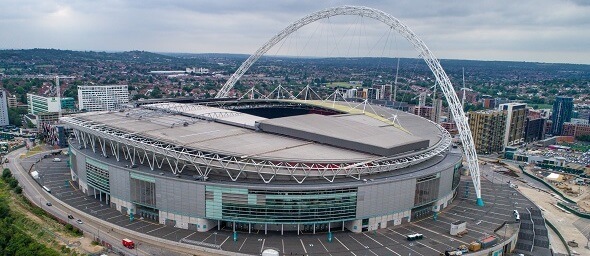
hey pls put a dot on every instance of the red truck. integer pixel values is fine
(128, 243)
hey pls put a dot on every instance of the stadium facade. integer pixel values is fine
(266, 165)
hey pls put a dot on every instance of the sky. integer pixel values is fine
(526, 30)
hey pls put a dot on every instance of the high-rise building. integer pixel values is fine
(102, 97)
(39, 104)
(534, 129)
(68, 103)
(488, 128)
(3, 109)
(516, 114)
(423, 111)
(562, 112)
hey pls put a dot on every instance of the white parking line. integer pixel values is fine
(324, 246)
(114, 217)
(262, 246)
(366, 247)
(188, 235)
(206, 238)
(304, 246)
(342, 245)
(372, 239)
(283, 243)
(171, 233)
(151, 230)
(223, 241)
(428, 247)
(393, 251)
(239, 249)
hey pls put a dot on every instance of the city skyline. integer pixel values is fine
(534, 31)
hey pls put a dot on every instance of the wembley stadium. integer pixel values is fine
(265, 165)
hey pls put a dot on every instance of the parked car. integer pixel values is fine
(48, 204)
(70, 217)
(79, 221)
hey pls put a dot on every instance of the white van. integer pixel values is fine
(516, 215)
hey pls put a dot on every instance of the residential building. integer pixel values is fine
(12, 102)
(102, 97)
(534, 129)
(516, 114)
(575, 129)
(423, 111)
(488, 129)
(562, 112)
(39, 104)
(3, 108)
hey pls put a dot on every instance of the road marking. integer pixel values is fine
(152, 230)
(304, 246)
(373, 239)
(393, 251)
(262, 247)
(206, 238)
(324, 246)
(366, 247)
(242, 244)
(283, 243)
(344, 246)
(188, 235)
(171, 233)
(428, 247)
(223, 241)
(114, 217)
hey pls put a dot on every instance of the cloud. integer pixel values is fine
(528, 30)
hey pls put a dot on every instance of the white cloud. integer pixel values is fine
(528, 30)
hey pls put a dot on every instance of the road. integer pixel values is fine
(39, 197)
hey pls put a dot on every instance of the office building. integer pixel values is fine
(102, 97)
(562, 112)
(488, 130)
(68, 103)
(39, 104)
(3, 108)
(516, 114)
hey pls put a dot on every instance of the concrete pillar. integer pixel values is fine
(297, 229)
(329, 227)
(218, 224)
(249, 228)
(342, 225)
(265, 227)
(314, 228)
(281, 229)
(234, 226)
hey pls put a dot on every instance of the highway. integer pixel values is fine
(90, 226)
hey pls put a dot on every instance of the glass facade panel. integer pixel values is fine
(280, 207)
(98, 177)
(143, 192)
(426, 189)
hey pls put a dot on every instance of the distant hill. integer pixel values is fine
(49, 55)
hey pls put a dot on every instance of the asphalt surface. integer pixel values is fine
(500, 200)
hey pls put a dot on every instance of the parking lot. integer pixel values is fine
(500, 201)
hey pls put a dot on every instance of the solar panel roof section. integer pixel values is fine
(348, 133)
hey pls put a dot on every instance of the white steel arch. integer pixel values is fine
(432, 62)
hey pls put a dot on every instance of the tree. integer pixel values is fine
(585, 137)
(156, 92)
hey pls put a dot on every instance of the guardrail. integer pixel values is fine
(574, 211)
(569, 252)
